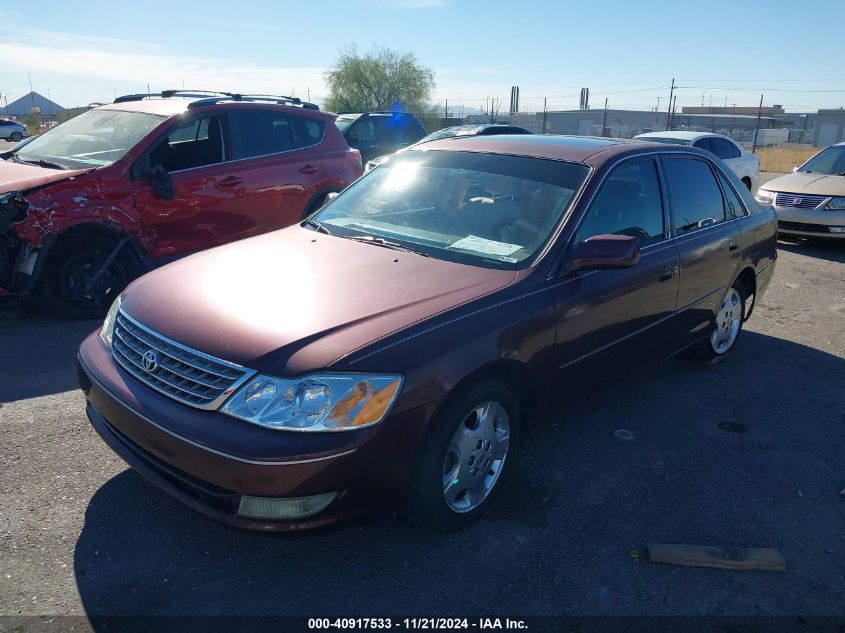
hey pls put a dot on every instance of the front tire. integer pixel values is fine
(464, 458)
(72, 265)
(16, 136)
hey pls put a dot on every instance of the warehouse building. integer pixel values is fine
(830, 127)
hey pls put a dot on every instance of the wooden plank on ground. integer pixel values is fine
(723, 557)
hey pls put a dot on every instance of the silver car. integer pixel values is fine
(12, 131)
(810, 202)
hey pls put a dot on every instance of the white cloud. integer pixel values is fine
(94, 62)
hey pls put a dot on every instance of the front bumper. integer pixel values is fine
(208, 460)
(810, 222)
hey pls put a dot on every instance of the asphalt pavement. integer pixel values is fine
(745, 453)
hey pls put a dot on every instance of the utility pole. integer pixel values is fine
(657, 109)
(757, 126)
(604, 122)
(669, 113)
(446, 114)
(670, 120)
(544, 116)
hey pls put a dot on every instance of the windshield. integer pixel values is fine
(479, 209)
(448, 132)
(344, 122)
(827, 161)
(664, 139)
(92, 139)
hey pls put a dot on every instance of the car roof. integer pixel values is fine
(681, 134)
(555, 147)
(176, 105)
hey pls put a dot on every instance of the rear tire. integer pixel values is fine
(71, 266)
(726, 327)
(16, 136)
(466, 454)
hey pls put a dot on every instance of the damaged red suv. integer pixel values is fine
(120, 189)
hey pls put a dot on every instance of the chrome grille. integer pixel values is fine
(798, 200)
(186, 375)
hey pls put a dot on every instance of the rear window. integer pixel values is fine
(260, 133)
(313, 130)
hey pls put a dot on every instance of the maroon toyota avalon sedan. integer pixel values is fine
(395, 344)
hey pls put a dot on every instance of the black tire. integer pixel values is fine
(706, 351)
(426, 505)
(71, 265)
(16, 136)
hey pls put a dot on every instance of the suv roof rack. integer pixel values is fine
(210, 97)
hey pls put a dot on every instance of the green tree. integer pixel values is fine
(377, 80)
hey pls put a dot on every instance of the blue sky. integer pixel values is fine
(627, 51)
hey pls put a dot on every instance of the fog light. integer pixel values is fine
(836, 229)
(283, 508)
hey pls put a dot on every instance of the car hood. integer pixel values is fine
(803, 182)
(295, 300)
(20, 177)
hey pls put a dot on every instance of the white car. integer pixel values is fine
(744, 164)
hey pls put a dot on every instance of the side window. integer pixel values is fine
(396, 130)
(193, 143)
(694, 195)
(362, 130)
(260, 133)
(723, 148)
(313, 130)
(705, 143)
(629, 203)
(735, 207)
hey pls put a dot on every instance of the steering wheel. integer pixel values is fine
(524, 226)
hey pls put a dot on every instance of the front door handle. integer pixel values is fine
(733, 245)
(668, 274)
(230, 181)
(308, 169)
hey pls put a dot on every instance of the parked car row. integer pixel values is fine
(93, 203)
(393, 346)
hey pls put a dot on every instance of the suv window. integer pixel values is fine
(696, 199)
(193, 143)
(387, 130)
(735, 207)
(629, 203)
(313, 130)
(723, 148)
(705, 143)
(262, 132)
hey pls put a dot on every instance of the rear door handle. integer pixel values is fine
(308, 169)
(733, 245)
(230, 181)
(668, 274)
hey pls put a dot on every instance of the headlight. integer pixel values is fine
(837, 203)
(107, 330)
(321, 402)
(766, 197)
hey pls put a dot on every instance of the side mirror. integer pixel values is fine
(161, 182)
(604, 252)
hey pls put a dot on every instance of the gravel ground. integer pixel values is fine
(83, 535)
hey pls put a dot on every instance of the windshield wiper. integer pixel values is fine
(380, 241)
(316, 226)
(40, 162)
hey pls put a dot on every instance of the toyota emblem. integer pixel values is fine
(150, 361)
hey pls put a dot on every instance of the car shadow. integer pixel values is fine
(831, 250)
(716, 457)
(39, 355)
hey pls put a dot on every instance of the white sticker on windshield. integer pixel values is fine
(483, 245)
